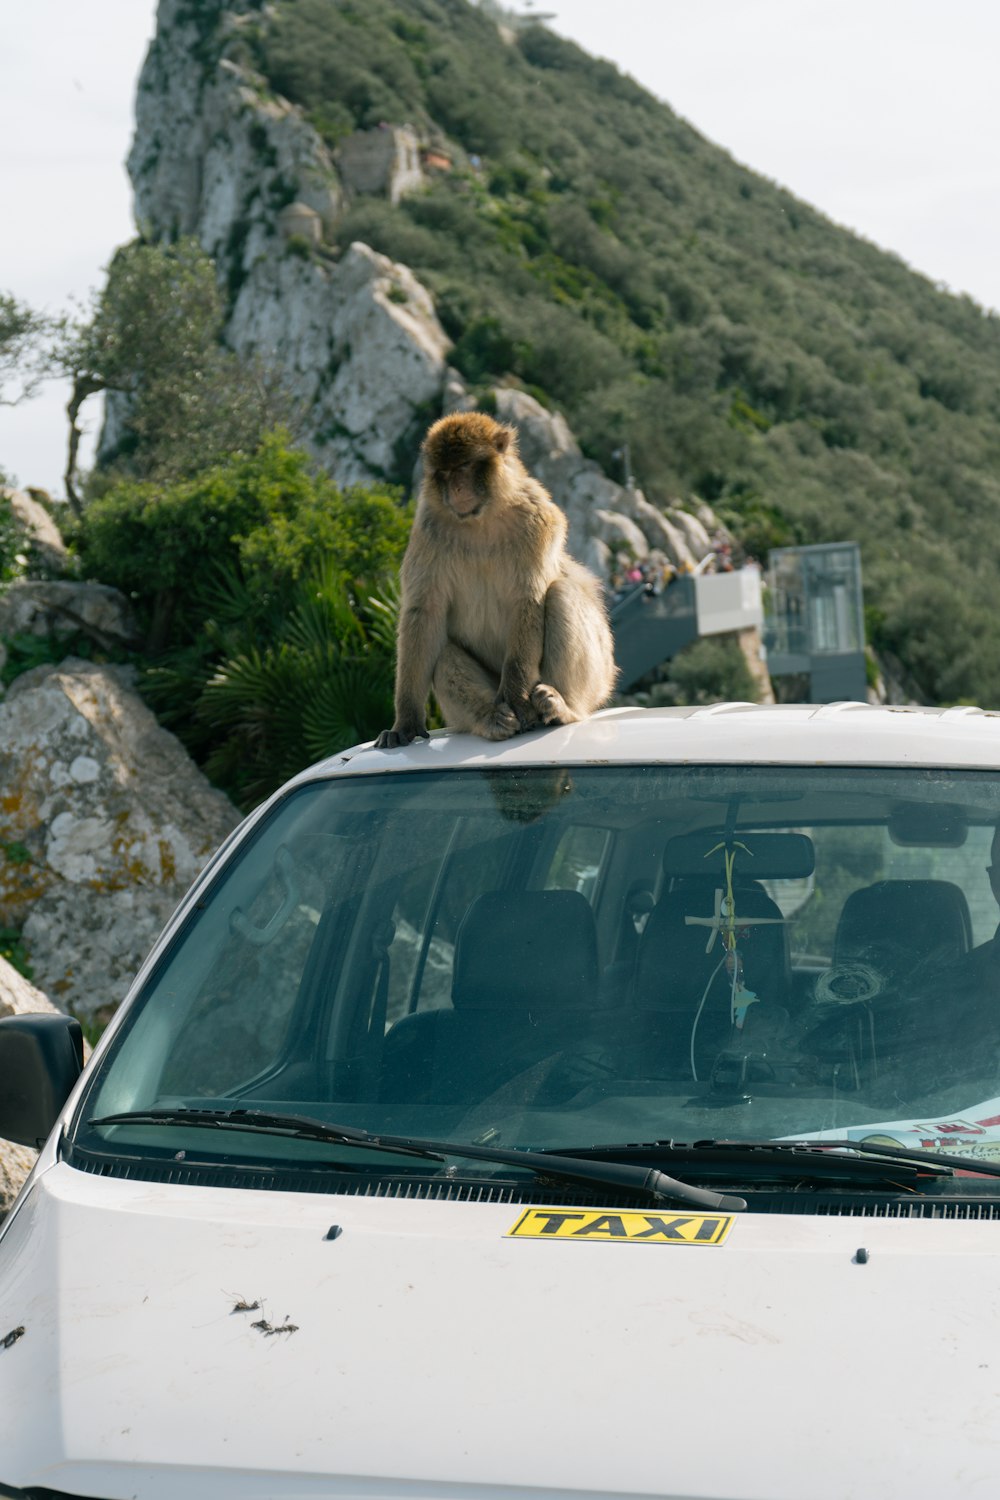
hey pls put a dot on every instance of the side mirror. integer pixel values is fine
(41, 1057)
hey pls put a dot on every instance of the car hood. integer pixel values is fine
(412, 1348)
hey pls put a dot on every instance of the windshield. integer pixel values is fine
(568, 957)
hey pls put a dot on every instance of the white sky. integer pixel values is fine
(883, 114)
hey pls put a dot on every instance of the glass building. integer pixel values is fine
(814, 624)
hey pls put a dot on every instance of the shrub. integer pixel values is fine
(712, 670)
(265, 516)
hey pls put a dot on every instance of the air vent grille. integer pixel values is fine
(963, 1202)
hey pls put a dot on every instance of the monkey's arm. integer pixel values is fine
(421, 639)
(523, 661)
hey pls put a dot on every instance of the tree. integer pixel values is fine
(154, 341)
(23, 358)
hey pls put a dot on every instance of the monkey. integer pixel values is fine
(509, 630)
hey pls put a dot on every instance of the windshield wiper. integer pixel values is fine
(818, 1160)
(557, 1167)
(948, 1162)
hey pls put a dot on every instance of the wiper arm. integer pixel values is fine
(621, 1175)
(817, 1160)
(947, 1161)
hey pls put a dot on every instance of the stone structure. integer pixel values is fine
(104, 823)
(299, 221)
(385, 161)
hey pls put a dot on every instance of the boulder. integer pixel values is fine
(31, 607)
(104, 823)
(17, 998)
(15, 1164)
(40, 531)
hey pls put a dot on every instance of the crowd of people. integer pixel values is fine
(656, 572)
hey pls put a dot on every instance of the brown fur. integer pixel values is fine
(509, 630)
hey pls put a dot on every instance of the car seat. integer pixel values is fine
(903, 929)
(524, 983)
(683, 990)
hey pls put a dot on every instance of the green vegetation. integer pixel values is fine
(11, 543)
(711, 670)
(602, 253)
(154, 341)
(24, 353)
(264, 595)
(13, 950)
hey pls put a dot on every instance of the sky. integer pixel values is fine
(883, 114)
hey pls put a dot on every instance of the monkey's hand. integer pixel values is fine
(401, 734)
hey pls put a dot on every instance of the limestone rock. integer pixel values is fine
(15, 1164)
(697, 536)
(32, 607)
(357, 340)
(40, 530)
(603, 516)
(104, 823)
(17, 998)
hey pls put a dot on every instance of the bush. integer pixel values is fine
(267, 598)
(266, 517)
(712, 670)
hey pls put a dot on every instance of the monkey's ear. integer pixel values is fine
(504, 439)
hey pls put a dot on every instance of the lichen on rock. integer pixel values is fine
(104, 823)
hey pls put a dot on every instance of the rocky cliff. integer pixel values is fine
(218, 156)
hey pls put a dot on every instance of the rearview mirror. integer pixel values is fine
(41, 1057)
(761, 856)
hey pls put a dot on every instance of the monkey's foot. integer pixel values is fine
(550, 705)
(499, 723)
(391, 739)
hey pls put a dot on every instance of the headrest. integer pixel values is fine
(912, 919)
(674, 964)
(523, 950)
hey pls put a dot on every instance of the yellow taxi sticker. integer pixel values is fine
(636, 1228)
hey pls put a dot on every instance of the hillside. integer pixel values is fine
(581, 239)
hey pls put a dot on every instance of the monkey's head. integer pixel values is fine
(465, 457)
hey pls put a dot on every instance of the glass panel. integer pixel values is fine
(577, 862)
(425, 953)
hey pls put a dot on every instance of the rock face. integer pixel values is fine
(216, 155)
(40, 531)
(603, 516)
(61, 608)
(104, 823)
(17, 998)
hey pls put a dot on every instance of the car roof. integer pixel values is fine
(721, 733)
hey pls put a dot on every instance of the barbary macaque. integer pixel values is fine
(509, 630)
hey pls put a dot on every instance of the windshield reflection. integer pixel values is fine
(590, 954)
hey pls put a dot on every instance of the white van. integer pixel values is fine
(612, 1111)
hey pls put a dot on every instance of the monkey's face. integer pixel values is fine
(463, 457)
(466, 488)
